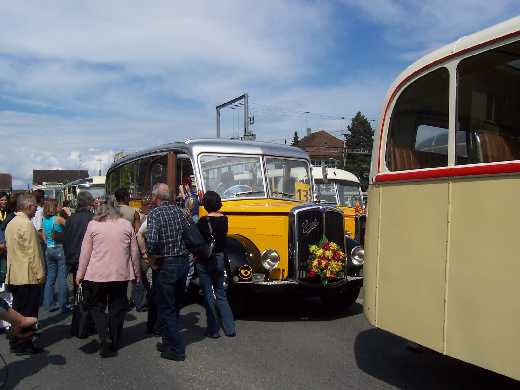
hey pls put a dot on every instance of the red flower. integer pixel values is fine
(326, 245)
(311, 274)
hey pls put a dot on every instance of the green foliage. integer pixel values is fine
(296, 139)
(360, 134)
(358, 141)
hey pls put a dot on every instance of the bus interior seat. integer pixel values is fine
(401, 158)
(496, 147)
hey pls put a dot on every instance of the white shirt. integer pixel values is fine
(37, 219)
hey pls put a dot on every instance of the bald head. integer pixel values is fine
(161, 192)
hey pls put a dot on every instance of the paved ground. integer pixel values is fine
(285, 344)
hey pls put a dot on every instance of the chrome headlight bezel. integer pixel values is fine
(357, 255)
(270, 259)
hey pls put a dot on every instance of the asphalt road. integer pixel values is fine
(285, 344)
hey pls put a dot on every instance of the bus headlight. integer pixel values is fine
(357, 255)
(270, 259)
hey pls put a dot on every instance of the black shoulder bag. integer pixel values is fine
(195, 242)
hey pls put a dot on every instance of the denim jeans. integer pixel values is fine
(56, 272)
(169, 294)
(211, 277)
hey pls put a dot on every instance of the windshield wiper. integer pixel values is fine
(237, 194)
(283, 194)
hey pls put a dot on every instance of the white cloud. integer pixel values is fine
(81, 81)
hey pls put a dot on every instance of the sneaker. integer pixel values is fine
(231, 334)
(212, 336)
(171, 356)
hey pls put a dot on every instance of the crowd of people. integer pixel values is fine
(104, 247)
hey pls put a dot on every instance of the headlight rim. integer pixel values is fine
(263, 258)
(355, 255)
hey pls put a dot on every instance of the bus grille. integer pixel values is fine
(311, 224)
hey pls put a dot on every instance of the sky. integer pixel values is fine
(80, 81)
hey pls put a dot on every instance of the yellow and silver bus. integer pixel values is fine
(442, 259)
(267, 192)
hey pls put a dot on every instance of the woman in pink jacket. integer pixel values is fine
(109, 259)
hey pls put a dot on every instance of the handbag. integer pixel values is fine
(82, 322)
(195, 242)
(212, 241)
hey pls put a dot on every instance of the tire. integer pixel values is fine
(344, 297)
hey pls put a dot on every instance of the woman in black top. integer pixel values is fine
(214, 226)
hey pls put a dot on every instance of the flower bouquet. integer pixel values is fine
(326, 261)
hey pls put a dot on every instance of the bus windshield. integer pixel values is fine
(233, 177)
(327, 192)
(288, 179)
(349, 194)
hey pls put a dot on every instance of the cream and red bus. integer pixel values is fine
(442, 253)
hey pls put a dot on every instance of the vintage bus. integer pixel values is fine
(342, 188)
(94, 184)
(266, 192)
(441, 255)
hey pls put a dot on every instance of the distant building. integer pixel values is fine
(57, 176)
(323, 147)
(6, 182)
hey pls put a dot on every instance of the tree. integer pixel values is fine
(296, 139)
(358, 142)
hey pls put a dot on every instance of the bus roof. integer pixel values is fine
(497, 34)
(217, 145)
(334, 174)
(92, 180)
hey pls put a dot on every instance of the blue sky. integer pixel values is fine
(82, 80)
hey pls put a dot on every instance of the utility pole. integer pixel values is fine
(99, 161)
(244, 99)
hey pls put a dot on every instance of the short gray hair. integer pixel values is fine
(107, 210)
(85, 200)
(23, 201)
(162, 191)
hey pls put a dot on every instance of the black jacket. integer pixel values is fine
(75, 229)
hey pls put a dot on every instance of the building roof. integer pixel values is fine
(321, 143)
(41, 176)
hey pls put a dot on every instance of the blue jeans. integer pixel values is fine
(211, 277)
(56, 272)
(169, 295)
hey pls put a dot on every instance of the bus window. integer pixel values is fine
(128, 178)
(159, 171)
(113, 180)
(233, 176)
(418, 131)
(489, 105)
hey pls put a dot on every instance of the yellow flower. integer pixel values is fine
(328, 254)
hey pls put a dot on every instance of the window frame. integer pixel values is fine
(262, 170)
(451, 63)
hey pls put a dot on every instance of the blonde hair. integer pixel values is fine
(49, 207)
(107, 210)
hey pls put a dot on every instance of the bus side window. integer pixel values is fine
(418, 130)
(488, 98)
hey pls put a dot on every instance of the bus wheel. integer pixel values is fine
(343, 297)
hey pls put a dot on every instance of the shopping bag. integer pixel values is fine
(81, 320)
